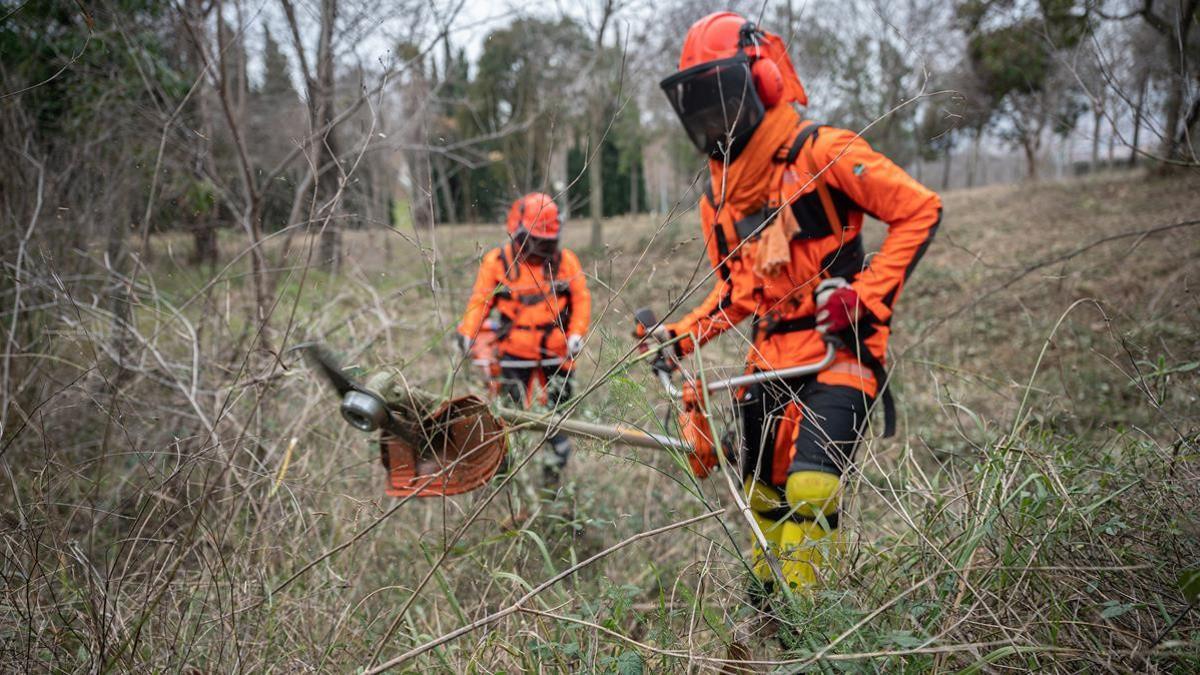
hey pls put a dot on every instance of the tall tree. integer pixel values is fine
(601, 80)
(277, 73)
(320, 81)
(1016, 53)
(1175, 22)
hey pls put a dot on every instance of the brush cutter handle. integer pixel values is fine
(781, 374)
(646, 324)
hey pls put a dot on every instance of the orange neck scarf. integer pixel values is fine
(745, 184)
(752, 182)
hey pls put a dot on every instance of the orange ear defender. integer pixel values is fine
(768, 80)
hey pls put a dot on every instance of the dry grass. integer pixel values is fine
(1035, 512)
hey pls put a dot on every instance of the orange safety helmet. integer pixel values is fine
(536, 214)
(533, 225)
(725, 59)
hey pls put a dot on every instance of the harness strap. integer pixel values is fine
(806, 131)
(510, 266)
(793, 325)
(818, 178)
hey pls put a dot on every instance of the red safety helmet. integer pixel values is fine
(533, 224)
(730, 72)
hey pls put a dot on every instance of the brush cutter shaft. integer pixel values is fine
(619, 433)
(510, 363)
(531, 363)
(369, 413)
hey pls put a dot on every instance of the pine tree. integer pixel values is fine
(277, 81)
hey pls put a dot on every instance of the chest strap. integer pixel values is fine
(770, 327)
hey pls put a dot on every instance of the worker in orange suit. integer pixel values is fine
(541, 297)
(782, 216)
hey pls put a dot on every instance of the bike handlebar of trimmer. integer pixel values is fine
(755, 378)
(648, 320)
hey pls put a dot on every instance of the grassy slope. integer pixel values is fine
(1034, 511)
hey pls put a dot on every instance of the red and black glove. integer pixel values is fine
(838, 306)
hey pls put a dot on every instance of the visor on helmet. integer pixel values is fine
(530, 246)
(717, 102)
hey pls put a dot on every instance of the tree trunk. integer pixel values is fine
(633, 187)
(596, 180)
(204, 241)
(327, 148)
(1111, 162)
(1096, 118)
(946, 160)
(1174, 101)
(450, 213)
(973, 162)
(1030, 148)
(1185, 144)
(1137, 121)
(258, 258)
(1173, 104)
(470, 214)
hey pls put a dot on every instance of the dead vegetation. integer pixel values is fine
(182, 494)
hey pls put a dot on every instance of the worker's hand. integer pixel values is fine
(463, 343)
(574, 345)
(660, 333)
(838, 308)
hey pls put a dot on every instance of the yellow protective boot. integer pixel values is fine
(763, 498)
(804, 540)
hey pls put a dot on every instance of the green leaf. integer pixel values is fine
(1113, 609)
(630, 663)
(1189, 584)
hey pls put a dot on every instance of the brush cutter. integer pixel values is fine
(432, 446)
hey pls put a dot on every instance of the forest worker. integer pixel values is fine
(539, 292)
(781, 218)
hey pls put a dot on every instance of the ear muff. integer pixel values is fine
(768, 81)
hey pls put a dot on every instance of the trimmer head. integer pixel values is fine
(429, 447)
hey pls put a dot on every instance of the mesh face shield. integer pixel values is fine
(717, 102)
(535, 247)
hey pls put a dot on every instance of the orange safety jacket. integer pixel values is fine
(829, 178)
(539, 305)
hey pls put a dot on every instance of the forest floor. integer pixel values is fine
(1036, 510)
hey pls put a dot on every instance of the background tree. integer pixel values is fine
(1017, 54)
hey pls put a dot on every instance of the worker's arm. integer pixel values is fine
(730, 301)
(882, 189)
(483, 295)
(581, 297)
